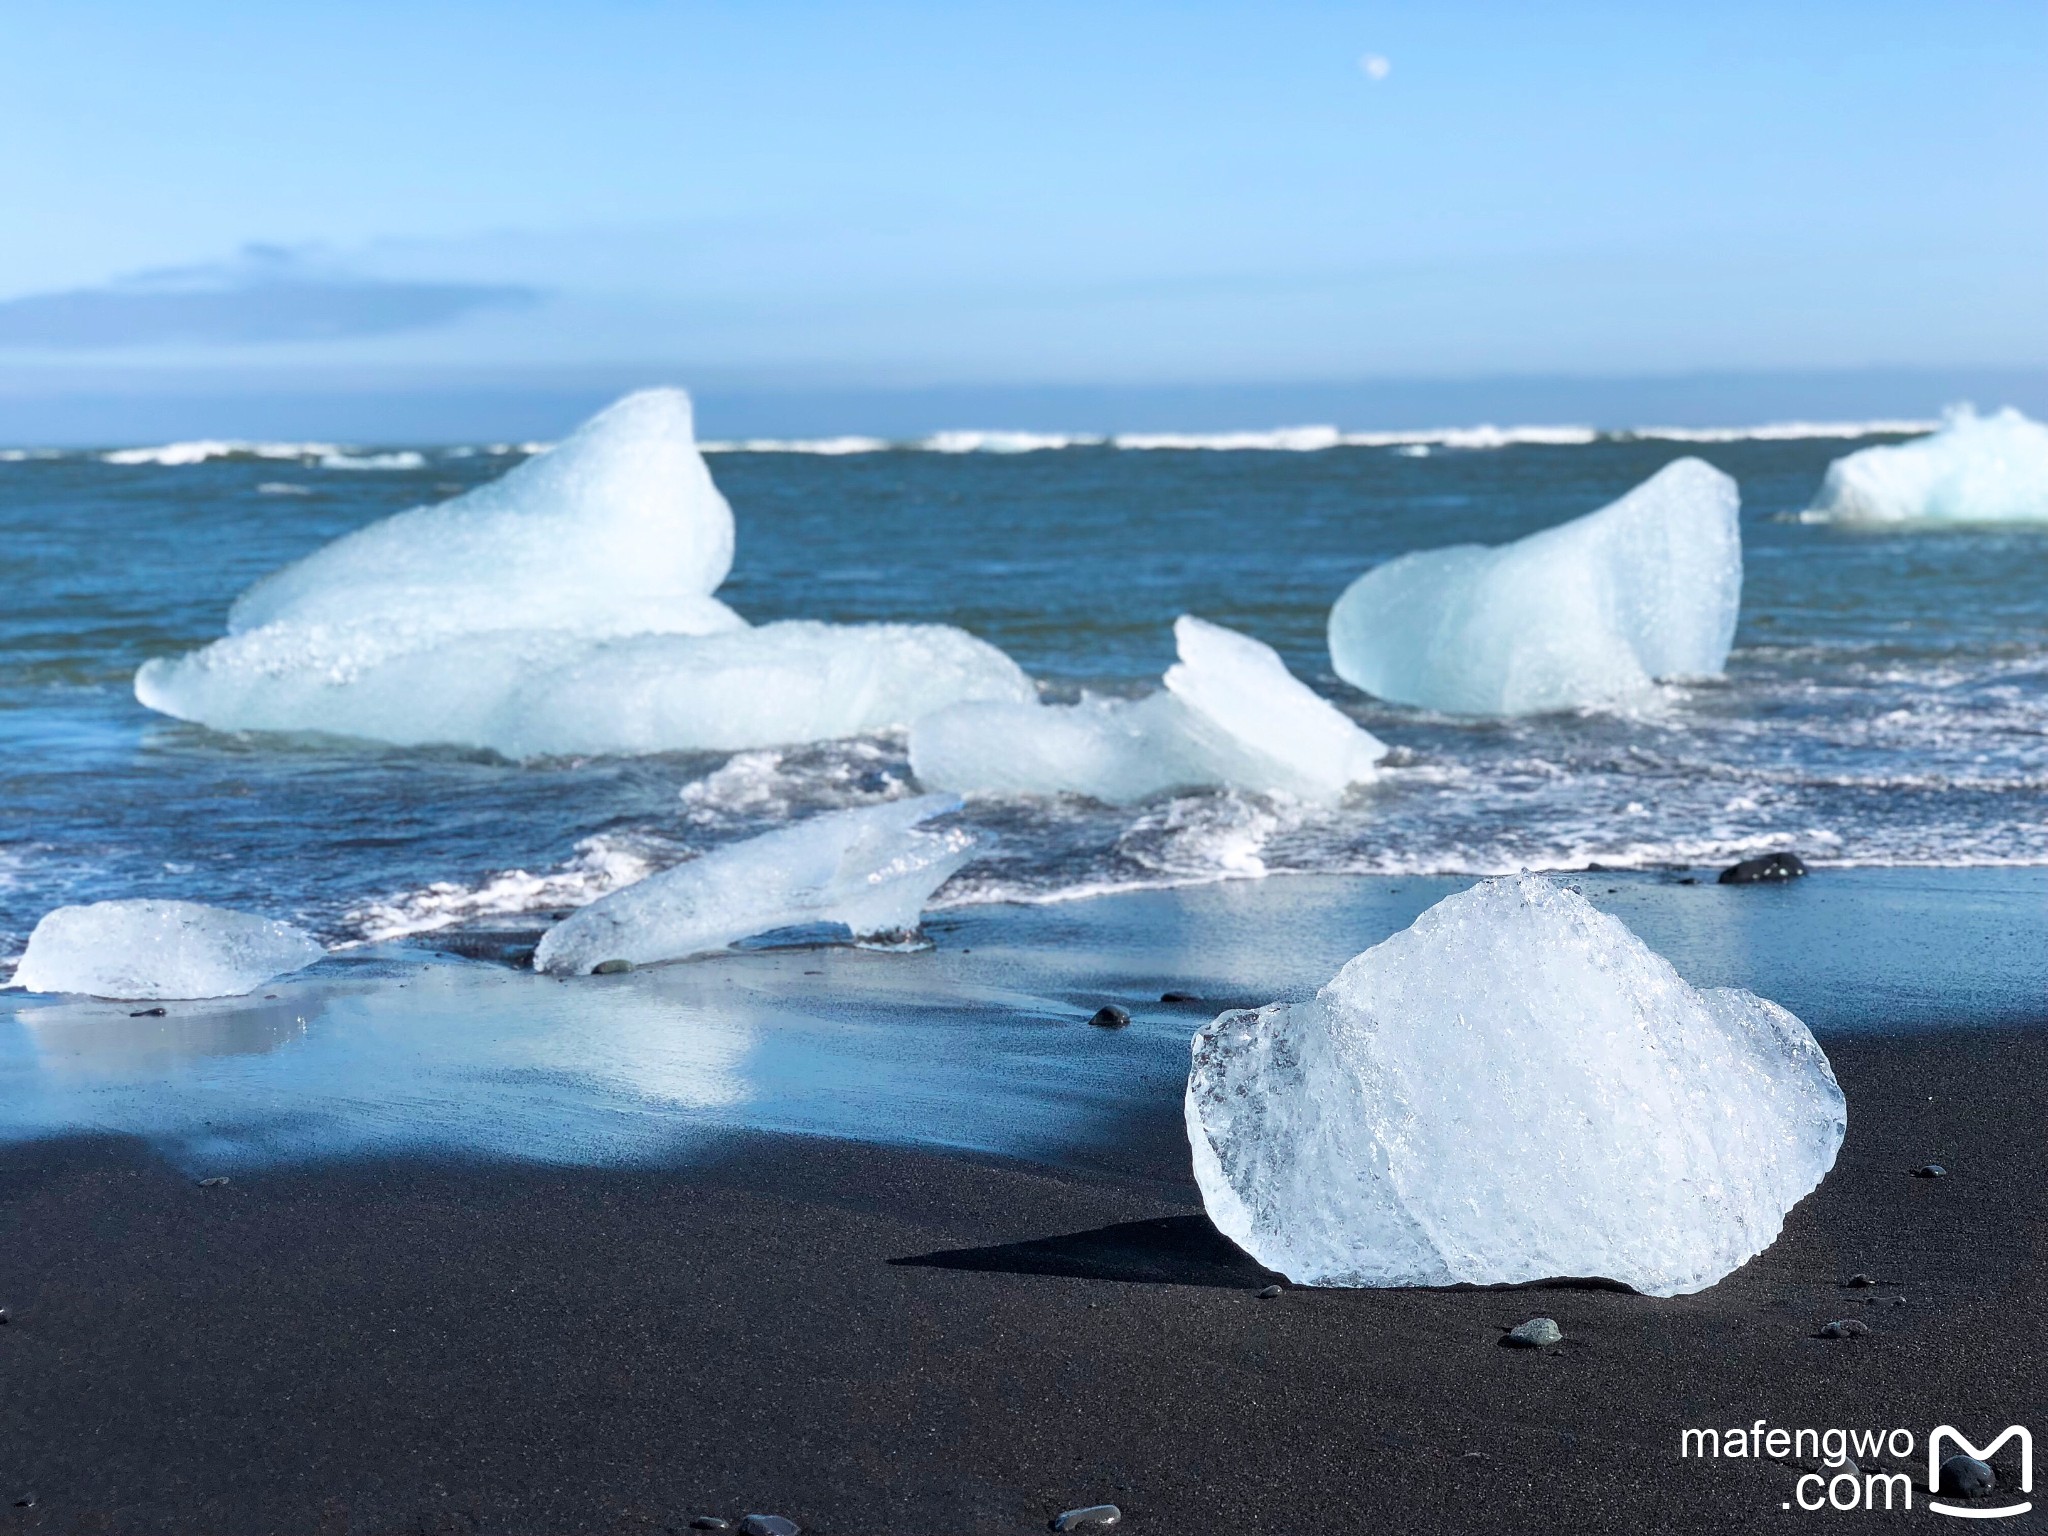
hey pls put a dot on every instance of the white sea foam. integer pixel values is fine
(828, 447)
(1784, 431)
(203, 450)
(1006, 442)
(601, 865)
(400, 459)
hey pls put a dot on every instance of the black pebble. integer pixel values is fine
(215, 1182)
(6, 1317)
(1770, 866)
(1846, 1328)
(710, 1523)
(1178, 997)
(1109, 1016)
(1857, 1282)
(1930, 1171)
(611, 968)
(26, 1501)
(1966, 1476)
(1269, 1292)
(147, 1013)
(1097, 1516)
(1687, 880)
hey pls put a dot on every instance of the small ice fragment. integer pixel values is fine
(1514, 1088)
(1590, 613)
(160, 949)
(1230, 714)
(1537, 1333)
(1976, 469)
(871, 869)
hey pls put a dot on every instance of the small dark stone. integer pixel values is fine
(1109, 1016)
(1179, 997)
(1089, 1517)
(6, 1317)
(1537, 1333)
(215, 1182)
(1688, 880)
(710, 1523)
(147, 1013)
(611, 968)
(1267, 1293)
(1858, 1281)
(26, 1501)
(1966, 1477)
(1845, 1328)
(1930, 1171)
(1769, 866)
(769, 1525)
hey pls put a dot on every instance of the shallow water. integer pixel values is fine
(1887, 703)
(979, 1043)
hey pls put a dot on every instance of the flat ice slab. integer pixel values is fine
(1231, 714)
(565, 608)
(160, 949)
(1515, 1088)
(871, 869)
(1590, 613)
(1976, 469)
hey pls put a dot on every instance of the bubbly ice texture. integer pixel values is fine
(1515, 1088)
(160, 949)
(565, 608)
(871, 869)
(1588, 614)
(1975, 469)
(1231, 714)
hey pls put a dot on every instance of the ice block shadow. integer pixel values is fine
(1167, 1250)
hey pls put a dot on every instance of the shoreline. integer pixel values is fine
(880, 1339)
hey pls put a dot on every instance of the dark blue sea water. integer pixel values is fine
(1885, 713)
(1886, 704)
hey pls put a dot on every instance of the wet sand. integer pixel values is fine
(873, 1339)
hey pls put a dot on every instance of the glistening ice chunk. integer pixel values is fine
(871, 869)
(533, 693)
(1515, 1088)
(1231, 714)
(160, 949)
(565, 608)
(1589, 613)
(1976, 469)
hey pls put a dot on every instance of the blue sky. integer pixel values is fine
(905, 194)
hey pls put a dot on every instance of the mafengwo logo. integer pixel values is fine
(1945, 1436)
(1861, 1469)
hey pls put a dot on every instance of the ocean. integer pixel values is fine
(1884, 714)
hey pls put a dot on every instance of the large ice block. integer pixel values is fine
(1515, 1088)
(565, 608)
(1976, 469)
(871, 869)
(160, 949)
(1590, 613)
(1231, 714)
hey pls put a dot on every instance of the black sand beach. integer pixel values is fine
(883, 1340)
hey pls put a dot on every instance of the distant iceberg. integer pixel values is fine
(565, 608)
(1976, 469)
(870, 869)
(1590, 613)
(160, 949)
(1515, 1088)
(1231, 714)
